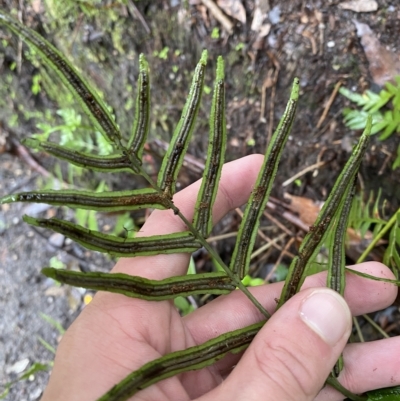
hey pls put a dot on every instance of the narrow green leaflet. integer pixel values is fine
(368, 276)
(89, 99)
(313, 240)
(391, 257)
(36, 367)
(385, 394)
(116, 246)
(255, 207)
(142, 112)
(332, 381)
(215, 157)
(336, 278)
(139, 287)
(192, 358)
(109, 163)
(104, 201)
(173, 159)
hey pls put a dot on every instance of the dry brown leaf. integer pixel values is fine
(306, 208)
(234, 8)
(360, 6)
(219, 15)
(55, 292)
(258, 18)
(383, 64)
(264, 30)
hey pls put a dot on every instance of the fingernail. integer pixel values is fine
(327, 314)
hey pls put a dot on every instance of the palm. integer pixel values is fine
(115, 335)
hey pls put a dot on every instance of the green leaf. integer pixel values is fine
(360, 100)
(109, 163)
(104, 201)
(142, 288)
(36, 367)
(313, 239)
(173, 159)
(181, 242)
(91, 102)
(54, 323)
(258, 199)
(193, 358)
(385, 394)
(142, 113)
(215, 157)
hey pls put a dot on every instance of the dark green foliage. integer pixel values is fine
(128, 155)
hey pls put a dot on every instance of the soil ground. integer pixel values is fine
(314, 40)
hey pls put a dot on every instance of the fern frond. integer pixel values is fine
(314, 238)
(91, 102)
(258, 199)
(104, 163)
(142, 288)
(142, 114)
(160, 196)
(102, 201)
(176, 151)
(377, 105)
(202, 220)
(182, 242)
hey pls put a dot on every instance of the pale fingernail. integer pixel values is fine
(327, 314)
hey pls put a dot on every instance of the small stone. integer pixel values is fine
(331, 43)
(15, 221)
(35, 394)
(34, 209)
(57, 240)
(18, 367)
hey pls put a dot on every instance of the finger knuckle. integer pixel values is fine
(287, 369)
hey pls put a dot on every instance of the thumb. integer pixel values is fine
(293, 354)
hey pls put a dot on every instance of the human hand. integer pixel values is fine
(289, 359)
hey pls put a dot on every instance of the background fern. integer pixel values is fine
(384, 108)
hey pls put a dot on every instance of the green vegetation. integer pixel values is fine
(126, 154)
(384, 108)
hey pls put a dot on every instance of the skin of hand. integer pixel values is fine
(289, 358)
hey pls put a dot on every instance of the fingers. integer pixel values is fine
(236, 184)
(367, 366)
(234, 311)
(293, 353)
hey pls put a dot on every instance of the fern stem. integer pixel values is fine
(197, 234)
(376, 326)
(378, 237)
